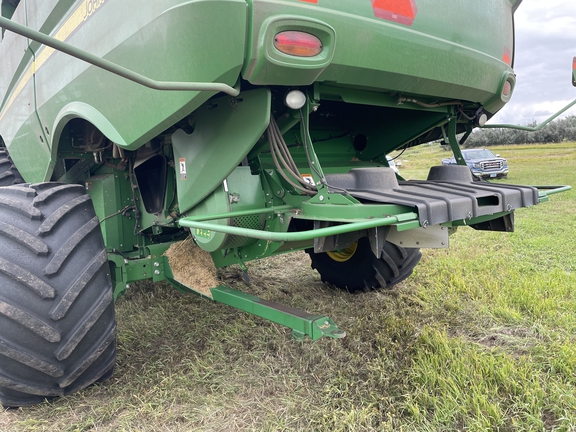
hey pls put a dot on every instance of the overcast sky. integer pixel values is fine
(545, 47)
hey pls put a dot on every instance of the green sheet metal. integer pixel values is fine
(226, 129)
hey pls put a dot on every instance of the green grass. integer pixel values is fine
(482, 337)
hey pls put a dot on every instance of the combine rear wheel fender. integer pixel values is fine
(357, 269)
(57, 323)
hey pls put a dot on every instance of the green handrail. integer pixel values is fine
(113, 67)
(301, 235)
(551, 190)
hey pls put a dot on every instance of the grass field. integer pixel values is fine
(482, 337)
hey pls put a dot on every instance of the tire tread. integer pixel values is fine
(57, 324)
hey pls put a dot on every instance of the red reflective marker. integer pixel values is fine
(507, 56)
(400, 11)
(310, 1)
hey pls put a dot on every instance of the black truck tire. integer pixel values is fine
(9, 174)
(57, 323)
(357, 269)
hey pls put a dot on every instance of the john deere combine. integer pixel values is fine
(232, 130)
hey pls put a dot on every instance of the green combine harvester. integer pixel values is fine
(162, 140)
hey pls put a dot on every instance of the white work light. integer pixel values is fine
(295, 99)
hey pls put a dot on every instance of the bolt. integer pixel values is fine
(156, 272)
(321, 197)
(156, 264)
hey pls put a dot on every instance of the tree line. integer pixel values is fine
(554, 132)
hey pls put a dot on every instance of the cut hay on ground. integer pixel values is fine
(192, 266)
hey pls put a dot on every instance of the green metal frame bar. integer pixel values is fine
(551, 190)
(191, 222)
(453, 141)
(302, 323)
(113, 67)
(239, 213)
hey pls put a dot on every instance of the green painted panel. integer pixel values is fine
(453, 49)
(241, 192)
(110, 195)
(167, 40)
(226, 130)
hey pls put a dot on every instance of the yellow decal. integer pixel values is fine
(85, 10)
(308, 179)
(204, 233)
(92, 6)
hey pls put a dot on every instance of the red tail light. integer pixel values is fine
(298, 43)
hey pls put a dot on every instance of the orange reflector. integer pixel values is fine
(507, 89)
(298, 43)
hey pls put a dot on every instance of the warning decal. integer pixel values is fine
(182, 163)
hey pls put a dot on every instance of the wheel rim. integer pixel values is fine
(343, 255)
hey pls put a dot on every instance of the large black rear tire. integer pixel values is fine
(357, 269)
(57, 323)
(9, 174)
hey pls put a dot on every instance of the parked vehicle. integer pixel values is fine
(482, 163)
(161, 140)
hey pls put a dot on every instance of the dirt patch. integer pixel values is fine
(192, 266)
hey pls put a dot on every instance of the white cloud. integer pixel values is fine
(545, 46)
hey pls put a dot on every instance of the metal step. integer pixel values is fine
(448, 195)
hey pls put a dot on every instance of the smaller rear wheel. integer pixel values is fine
(355, 268)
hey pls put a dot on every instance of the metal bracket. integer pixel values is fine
(434, 236)
(302, 323)
(377, 237)
(335, 242)
(452, 140)
(323, 326)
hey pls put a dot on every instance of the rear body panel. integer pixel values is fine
(435, 50)
(449, 50)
